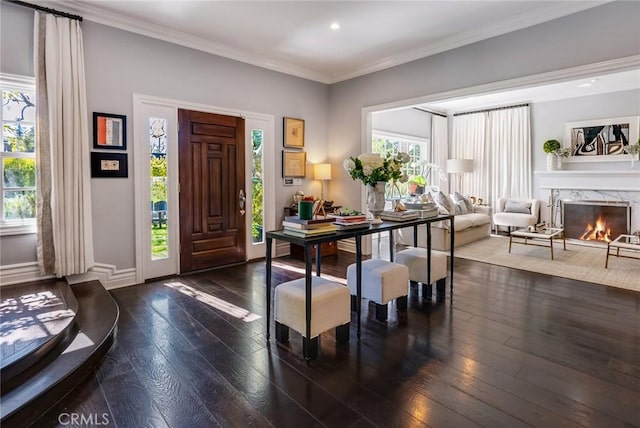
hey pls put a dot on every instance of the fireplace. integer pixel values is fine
(600, 221)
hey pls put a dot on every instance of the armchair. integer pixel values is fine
(511, 212)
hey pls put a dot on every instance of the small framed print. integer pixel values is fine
(294, 164)
(293, 132)
(109, 131)
(104, 165)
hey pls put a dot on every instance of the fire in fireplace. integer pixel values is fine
(595, 220)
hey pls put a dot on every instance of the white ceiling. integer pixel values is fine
(294, 36)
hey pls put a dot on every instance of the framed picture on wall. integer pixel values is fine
(293, 132)
(108, 165)
(600, 140)
(294, 164)
(109, 131)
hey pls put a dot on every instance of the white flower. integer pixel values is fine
(349, 165)
(371, 161)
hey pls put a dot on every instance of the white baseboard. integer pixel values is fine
(21, 272)
(108, 275)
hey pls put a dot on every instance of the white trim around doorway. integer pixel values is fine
(142, 207)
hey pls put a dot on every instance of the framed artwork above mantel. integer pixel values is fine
(600, 140)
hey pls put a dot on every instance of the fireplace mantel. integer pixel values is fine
(588, 185)
(625, 181)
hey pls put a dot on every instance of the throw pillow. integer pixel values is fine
(467, 201)
(517, 207)
(461, 207)
(443, 201)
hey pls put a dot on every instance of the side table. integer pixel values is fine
(629, 243)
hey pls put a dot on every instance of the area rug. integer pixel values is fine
(580, 262)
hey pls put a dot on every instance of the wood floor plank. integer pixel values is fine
(178, 402)
(511, 348)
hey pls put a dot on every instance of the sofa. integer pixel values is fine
(469, 227)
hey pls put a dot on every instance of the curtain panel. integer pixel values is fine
(65, 235)
(440, 145)
(499, 142)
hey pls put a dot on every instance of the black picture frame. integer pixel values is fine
(109, 165)
(109, 131)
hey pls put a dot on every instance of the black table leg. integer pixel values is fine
(269, 243)
(392, 245)
(307, 288)
(415, 235)
(452, 243)
(358, 280)
(318, 258)
(428, 254)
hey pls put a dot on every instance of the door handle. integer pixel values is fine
(241, 201)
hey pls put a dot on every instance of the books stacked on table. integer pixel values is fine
(399, 215)
(294, 225)
(348, 222)
(429, 210)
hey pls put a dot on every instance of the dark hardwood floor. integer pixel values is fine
(511, 349)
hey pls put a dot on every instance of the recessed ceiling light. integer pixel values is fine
(584, 85)
(335, 26)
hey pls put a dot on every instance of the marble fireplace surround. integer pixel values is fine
(589, 185)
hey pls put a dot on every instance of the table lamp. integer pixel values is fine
(322, 172)
(459, 167)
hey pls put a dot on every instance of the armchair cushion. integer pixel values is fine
(517, 207)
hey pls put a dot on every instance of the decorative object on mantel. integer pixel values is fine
(634, 151)
(375, 171)
(550, 147)
(600, 140)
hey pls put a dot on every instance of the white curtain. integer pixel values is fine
(440, 146)
(508, 133)
(469, 142)
(65, 237)
(499, 142)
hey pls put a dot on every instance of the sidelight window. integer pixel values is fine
(158, 168)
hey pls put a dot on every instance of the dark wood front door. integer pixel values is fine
(211, 158)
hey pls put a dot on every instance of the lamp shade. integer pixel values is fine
(459, 165)
(322, 171)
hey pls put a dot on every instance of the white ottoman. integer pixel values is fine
(329, 309)
(382, 281)
(416, 260)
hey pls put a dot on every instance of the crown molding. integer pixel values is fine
(95, 14)
(466, 38)
(100, 16)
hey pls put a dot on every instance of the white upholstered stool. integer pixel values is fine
(382, 281)
(416, 260)
(329, 309)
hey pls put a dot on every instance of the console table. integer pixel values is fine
(309, 242)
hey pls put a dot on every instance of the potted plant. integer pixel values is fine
(551, 147)
(416, 184)
(634, 151)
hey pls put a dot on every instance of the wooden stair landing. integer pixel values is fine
(80, 322)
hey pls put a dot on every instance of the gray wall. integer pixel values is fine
(118, 64)
(602, 33)
(548, 118)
